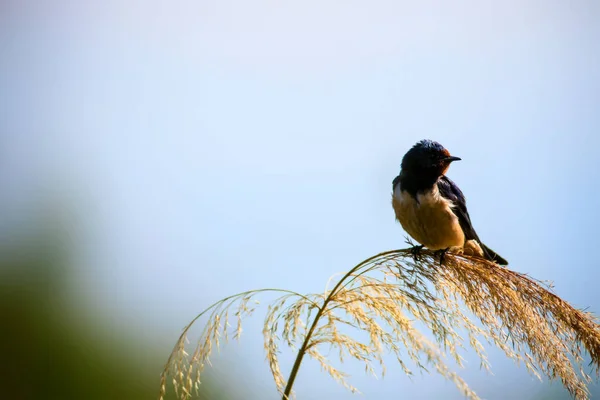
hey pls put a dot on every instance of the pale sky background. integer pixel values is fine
(211, 147)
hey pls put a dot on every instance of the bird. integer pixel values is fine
(431, 208)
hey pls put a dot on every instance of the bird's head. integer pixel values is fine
(427, 157)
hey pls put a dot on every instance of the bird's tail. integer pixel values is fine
(493, 256)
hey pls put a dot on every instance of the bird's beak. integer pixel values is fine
(452, 158)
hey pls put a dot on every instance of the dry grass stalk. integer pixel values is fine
(383, 297)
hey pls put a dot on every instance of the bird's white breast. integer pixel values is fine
(428, 218)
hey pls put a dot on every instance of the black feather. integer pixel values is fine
(451, 191)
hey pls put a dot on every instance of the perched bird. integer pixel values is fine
(431, 208)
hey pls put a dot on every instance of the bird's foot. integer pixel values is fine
(442, 254)
(416, 252)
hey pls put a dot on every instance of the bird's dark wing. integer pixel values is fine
(395, 182)
(449, 190)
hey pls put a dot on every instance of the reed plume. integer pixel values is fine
(394, 298)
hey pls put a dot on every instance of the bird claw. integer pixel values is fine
(442, 254)
(416, 251)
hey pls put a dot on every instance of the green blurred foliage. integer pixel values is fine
(49, 348)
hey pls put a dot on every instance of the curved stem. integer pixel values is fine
(290, 383)
(218, 304)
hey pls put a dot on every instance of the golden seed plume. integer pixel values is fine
(388, 300)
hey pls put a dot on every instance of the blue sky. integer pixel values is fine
(207, 148)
